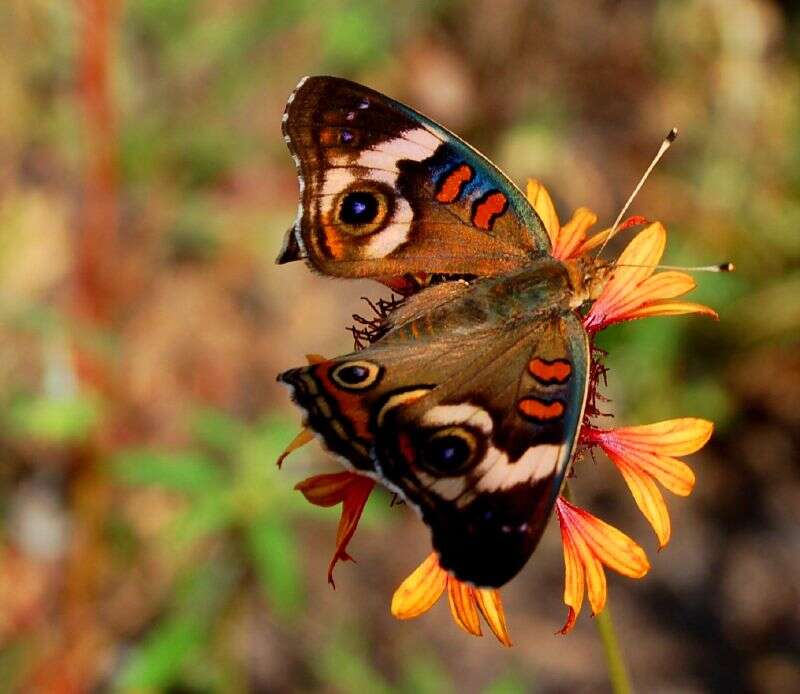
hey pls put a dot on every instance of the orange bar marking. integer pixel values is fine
(540, 409)
(556, 371)
(452, 185)
(331, 239)
(490, 208)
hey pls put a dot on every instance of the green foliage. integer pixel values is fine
(183, 634)
(357, 34)
(344, 662)
(51, 420)
(183, 471)
(425, 674)
(275, 557)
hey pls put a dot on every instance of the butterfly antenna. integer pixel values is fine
(721, 267)
(665, 145)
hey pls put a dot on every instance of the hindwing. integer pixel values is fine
(473, 427)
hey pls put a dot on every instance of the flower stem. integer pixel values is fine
(617, 672)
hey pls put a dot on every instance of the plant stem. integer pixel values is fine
(617, 672)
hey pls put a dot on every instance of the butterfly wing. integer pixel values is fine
(474, 427)
(386, 192)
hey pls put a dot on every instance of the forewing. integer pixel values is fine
(386, 192)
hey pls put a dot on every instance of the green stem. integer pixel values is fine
(617, 672)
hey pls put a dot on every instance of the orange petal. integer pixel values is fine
(315, 358)
(610, 546)
(326, 490)
(669, 308)
(491, 607)
(648, 498)
(600, 237)
(672, 437)
(420, 591)
(573, 578)
(644, 251)
(462, 604)
(541, 201)
(303, 437)
(573, 234)
(652, 448)
(355, 499)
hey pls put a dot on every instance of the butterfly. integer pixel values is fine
(469, 405)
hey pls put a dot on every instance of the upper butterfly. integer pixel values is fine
(388, 194)
(469, 406)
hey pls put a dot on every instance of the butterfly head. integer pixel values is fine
(587, 276)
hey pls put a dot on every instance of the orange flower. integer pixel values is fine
(420, 591)
(645, 454)
(348, 489)
(571, 240)
(635, 292)
(588, 544)
(632, 292)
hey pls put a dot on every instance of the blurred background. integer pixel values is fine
(147, 541)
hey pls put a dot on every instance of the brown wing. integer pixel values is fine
(386, 191)
(474, 426)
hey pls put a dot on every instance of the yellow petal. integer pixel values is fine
(420, 591)
(593, 242)
(491, 607)
(596, 588)
(662, 285)
(573, 234)
(600, 237)
(301, 439)
(462, 605)
(648, 498)
(541, 201)
(326, 490)
(643, 252)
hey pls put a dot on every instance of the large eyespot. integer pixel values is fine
(359, 208)
(449, 452)
(363, 210)
(356, 375)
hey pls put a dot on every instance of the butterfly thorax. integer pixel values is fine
(587, 278)
(546, 285)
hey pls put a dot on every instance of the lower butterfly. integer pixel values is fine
(470, 403)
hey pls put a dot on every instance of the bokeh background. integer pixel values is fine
(149, 544)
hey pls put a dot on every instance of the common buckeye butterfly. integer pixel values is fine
(469, 406)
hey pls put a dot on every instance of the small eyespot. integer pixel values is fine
(356, 375)
(449, 452)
